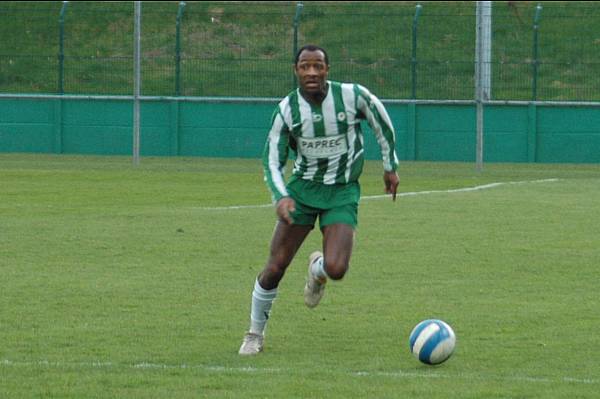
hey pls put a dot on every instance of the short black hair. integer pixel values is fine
(311, 47)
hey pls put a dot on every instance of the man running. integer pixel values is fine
(320, 122)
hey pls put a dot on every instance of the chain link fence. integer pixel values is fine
(400, 50)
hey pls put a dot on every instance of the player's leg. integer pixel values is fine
(286, 241)
(337, 225)
(338, 240)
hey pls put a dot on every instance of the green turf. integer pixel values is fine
(134, 282)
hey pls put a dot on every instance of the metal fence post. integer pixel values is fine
(479, 96)
(178, 48)
(413, 64)
(536, 21)
(137, 50)
(486, 50)
(175, 131)
(532, 132)
(58, 104)
(299, 7)
(61, 49)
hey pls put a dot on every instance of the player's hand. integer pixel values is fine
(391, 181)
(285, 207)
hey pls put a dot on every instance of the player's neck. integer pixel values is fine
(316, 98)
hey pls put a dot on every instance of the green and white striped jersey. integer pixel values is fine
(327, 138)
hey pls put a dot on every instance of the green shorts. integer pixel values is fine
(335, 203)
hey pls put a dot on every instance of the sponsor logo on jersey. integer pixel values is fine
(323, 147)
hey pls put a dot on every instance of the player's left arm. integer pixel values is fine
(382, 126)
(391, 181)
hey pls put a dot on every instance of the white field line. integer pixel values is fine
(432, 373)
(406, 194)
(462, 190)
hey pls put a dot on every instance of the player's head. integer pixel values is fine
(311, 47)
(311, 67)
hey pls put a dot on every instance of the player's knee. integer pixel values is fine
(270, 277)
(336, 269)
(275, 269)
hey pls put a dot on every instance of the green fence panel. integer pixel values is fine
(219, 129)
(505, 134)
(445, 133)
(27, 125)
(97, 127)
(424, 132)
(157, 135)
(571, 134)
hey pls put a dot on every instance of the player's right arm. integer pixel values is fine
(275, 156)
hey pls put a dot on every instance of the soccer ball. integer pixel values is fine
(432, 341)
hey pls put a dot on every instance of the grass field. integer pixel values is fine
(135, 282)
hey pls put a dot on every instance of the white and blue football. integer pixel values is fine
(432, 341)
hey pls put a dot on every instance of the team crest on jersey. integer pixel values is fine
(341, 116)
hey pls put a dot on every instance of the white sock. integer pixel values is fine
(317, 268)
(262, 300)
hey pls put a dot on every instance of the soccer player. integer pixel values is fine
(320, 123)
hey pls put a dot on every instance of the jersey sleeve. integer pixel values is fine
(275, 156)
(380, 122)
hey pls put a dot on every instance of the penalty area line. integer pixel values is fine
(399, 374)
(404, 194)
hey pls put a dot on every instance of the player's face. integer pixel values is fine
(311, 71)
